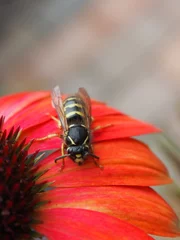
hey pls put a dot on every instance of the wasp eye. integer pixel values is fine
(85, 148)
(69, 150)
(67, 140)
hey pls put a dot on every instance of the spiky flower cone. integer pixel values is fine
(18, 188)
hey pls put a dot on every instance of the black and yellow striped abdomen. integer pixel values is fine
(74, 111)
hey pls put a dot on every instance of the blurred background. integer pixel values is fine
(126, 53)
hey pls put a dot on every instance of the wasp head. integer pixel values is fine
(78, 153)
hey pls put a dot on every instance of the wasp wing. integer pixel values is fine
(58, 105)
(83, 95)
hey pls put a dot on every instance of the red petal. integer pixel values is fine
(140, 206)
(34, 109)
(100, 109)
(10, 105)
(72, 224)
(42, 130)
(122, 126)
(125, 161)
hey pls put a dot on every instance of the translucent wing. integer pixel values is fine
(83, 95)
(58, 105)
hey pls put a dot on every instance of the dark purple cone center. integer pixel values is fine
(17, 186)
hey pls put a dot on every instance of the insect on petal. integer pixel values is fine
(37, 123)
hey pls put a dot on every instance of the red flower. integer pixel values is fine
(87, 202)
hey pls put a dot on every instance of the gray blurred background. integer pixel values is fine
(126, 53)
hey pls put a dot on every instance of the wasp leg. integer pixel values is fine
(92, 119)
(62, 153)
(55, 119)
(47, 137)
(61, 157)
(97, 164)
(101, 127)
(96, 159)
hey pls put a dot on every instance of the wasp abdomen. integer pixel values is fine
(73, 109)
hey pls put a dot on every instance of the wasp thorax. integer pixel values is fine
(77, 135)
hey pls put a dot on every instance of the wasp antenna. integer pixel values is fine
(94, 156)
(61, 157)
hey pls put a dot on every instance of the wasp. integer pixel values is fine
(74, 114)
